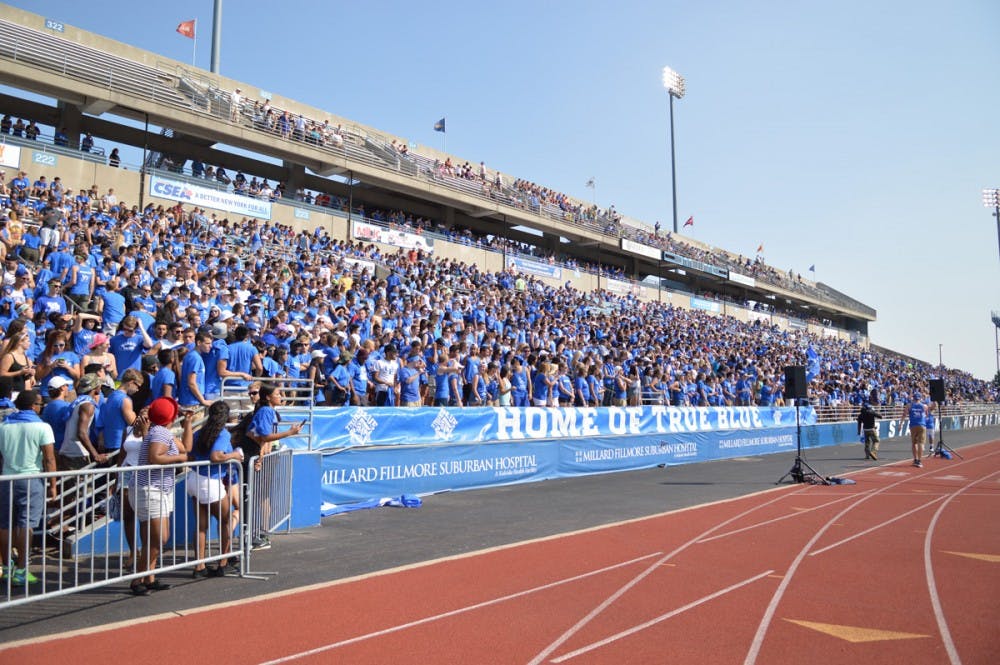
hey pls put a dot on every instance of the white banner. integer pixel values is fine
(206, 197)
(360, 264)
(640, 249)
(10, 155)
(754, 315)
(625, 288)
(741, 279)
(373, 233)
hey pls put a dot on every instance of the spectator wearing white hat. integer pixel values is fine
(57, 410)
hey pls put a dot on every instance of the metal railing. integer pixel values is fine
(847, 412)
(44, 563)
(269, 499)
(298, 397)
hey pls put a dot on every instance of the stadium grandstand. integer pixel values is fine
(349, 268)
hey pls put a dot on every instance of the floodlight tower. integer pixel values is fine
(674, 83)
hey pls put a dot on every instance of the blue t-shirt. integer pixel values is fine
(56, 413)
(114, 310)
(112, 421)
(127, 350)
(213, 382)
(192, 364)
(240, 360)
(223, 444)
(917, 413)
(409, 391)
(164, 377)
(263, 422)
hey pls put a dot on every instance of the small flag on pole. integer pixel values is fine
(689, 222)
(590, 183)
(812, 268)
(187, 29)
(439, 125)
(760, 248)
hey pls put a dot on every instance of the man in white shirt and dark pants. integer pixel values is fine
(386, 377)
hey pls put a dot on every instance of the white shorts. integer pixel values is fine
(50, 237)
(203, 489)
(150, 503)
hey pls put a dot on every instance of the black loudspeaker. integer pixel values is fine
(937, 390)
(795, 382)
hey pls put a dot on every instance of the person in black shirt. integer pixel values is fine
(869, 429)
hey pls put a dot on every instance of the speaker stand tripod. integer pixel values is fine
(941, 445)
(801, 472)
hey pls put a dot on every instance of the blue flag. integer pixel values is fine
(812, 268)
(812, 363)
(439, 125)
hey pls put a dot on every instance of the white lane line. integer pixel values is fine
(765, 621)
(631, 583)
(229, 604)
(662, 617)
(461, 610)
(949, 643)
(877, 526)
(783, 517)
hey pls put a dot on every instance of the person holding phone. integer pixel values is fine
(57, 359)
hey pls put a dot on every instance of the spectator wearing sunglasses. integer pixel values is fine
(129, 345)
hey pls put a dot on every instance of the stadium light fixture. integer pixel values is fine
(991, 199)
(674, 84)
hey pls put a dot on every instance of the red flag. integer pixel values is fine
(187, 28)
(690, 222)
(760, 248)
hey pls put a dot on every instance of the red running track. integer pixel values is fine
(903, 567)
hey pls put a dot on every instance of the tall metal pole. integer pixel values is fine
(350, 200)
(996, 213)
(142, 171)
(216, 35)
(506, 233)
(673, 164)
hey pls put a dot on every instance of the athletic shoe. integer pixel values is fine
(20, 576)
(261, 543)
(917, 463)
(874, 457)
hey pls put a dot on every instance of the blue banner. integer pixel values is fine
(534, 267)
(365, 473)
(708, 305)
(581, 456)
(366, 426)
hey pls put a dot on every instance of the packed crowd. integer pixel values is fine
(112, 286)
(110, 313)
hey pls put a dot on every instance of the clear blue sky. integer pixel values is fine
(856, 136)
